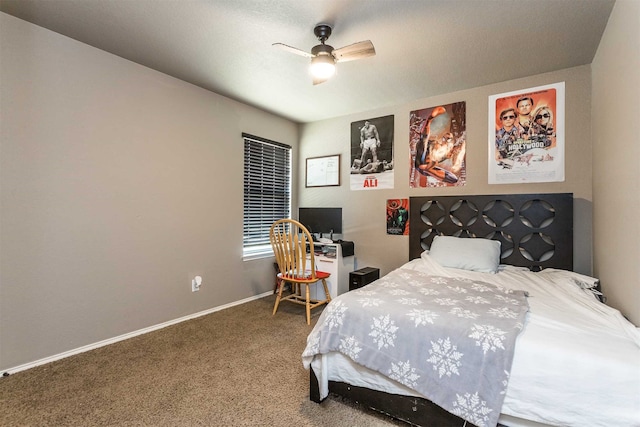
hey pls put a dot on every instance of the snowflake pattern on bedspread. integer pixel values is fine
(450, 339)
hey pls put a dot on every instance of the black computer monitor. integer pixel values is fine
(321, 220)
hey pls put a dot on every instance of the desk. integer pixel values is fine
(338, 266)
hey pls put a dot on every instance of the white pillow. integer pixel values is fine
(466, 253)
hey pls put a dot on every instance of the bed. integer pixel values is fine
(573, 362)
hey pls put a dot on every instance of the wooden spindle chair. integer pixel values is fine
(290, 240)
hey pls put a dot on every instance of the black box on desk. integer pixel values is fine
(362, 277)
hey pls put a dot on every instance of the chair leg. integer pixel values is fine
(308, 305)
(326, 290)
(275, 306)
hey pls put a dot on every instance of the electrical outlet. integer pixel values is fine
(196, 283)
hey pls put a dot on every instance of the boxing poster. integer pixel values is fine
(437, 143)
(526, 135)
(372, 154)
(398, 217)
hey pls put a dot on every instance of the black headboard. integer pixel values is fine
(535, 230)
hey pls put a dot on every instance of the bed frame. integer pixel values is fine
(535, 231)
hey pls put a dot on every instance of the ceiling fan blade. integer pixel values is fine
(354, 51)
(293, 50)
(317, 81)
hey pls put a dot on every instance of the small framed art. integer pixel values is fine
(323, 171)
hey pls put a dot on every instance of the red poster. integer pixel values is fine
(398, 217)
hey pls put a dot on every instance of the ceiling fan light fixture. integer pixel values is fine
(324, 57)
(322, 67)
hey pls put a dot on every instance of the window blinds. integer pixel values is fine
(267, 190)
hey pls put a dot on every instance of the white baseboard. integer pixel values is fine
(113, 340)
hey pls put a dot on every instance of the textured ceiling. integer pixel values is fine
(423, 47)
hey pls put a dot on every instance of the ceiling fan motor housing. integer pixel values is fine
(322, 49)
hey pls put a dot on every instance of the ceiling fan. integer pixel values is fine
(324, 57)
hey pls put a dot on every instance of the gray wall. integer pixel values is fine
(119, 184)
(364, 211)
(616, 153)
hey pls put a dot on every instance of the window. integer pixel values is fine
(267, 192)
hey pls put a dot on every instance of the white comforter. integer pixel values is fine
(577, 362)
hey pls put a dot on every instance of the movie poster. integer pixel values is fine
(526, 135)
(437, 143)
(398, 217)
(372, 154)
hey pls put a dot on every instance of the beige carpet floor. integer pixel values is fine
(237, 367)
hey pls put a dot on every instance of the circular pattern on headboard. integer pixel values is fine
(537, 214)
